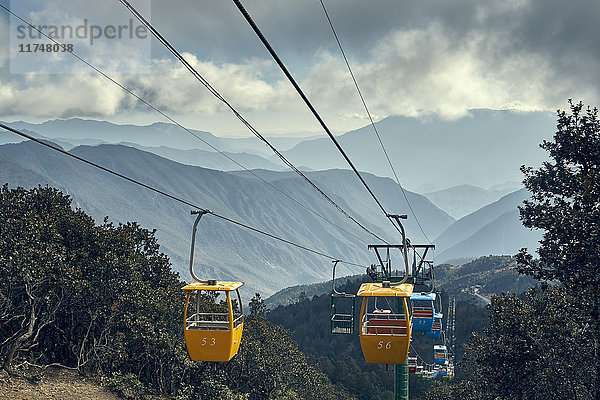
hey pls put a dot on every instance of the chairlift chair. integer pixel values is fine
(342, 309)
(440, 354)
(441, 370)
(412, 365)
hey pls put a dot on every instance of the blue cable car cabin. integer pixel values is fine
(441, 371)
(440, 354)
(436, 329)
(423, 311)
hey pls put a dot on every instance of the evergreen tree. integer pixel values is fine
(100, 299)
(545, 344)
(565, 203)
(35, 277)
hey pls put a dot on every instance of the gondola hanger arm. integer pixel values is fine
(200, 214)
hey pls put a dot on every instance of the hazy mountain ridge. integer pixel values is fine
(349, 190)
(80, 131)
(155, 134)
(440, 153)
(459, 201)
(493, 229)
(210, 159)
(503, 236)
(428, 153)
(184, 147)
(224, 250)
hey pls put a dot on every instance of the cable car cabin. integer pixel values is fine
(436, 329)
(212, 324)
(441, 371)
(451, 371)
(440, 354)
(385, 322)
(423, 310)
(412, 365)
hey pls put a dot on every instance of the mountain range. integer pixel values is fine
(493, 229)
(459, 201)
(263, 195)
(77, 131)
(484, 148)
(225, 251)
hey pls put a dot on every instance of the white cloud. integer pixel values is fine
(60, 96)
(171, 86)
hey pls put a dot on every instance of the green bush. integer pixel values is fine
(127, 386)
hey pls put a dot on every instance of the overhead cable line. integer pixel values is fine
(173, 197)
(422, 359)
(310, 106)
(213, 91)
(148, 104)
(371, 119)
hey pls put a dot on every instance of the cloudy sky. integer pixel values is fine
(411, 58)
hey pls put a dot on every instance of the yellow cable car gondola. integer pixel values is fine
(385, 322)
(212, 326)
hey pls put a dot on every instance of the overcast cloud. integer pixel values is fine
(411, 58)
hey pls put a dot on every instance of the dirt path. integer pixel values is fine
(57, 384)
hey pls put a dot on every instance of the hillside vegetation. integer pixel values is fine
(103, 300)
(490, 274)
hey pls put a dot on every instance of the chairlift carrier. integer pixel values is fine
(412, 365)
(440, 354)
(385, 333)
(436, 329)
(342, 309)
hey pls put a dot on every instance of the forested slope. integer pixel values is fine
(104, 301)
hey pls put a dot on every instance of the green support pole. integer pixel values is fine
(401, 381)
(401, 374)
